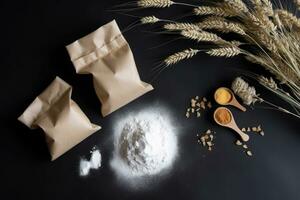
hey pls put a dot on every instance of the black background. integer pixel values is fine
(33, 36)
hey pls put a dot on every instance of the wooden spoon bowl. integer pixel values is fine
(233, 101)
(232, 125)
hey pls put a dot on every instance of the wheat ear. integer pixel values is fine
(268, 82)
(222, 25)
(181, 26)
(185, 54)
(155, 3)
(225, 52)
(149, 20)
(237, 5)
(208, 10)
(288, 19)
(200, 36)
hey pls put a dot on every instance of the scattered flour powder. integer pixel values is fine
(94, 163)
(145, 144)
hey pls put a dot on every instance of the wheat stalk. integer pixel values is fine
(185, 54)
(263, 7)
(236, 5)
(149, 20)
(180, 26)
(222, 25)
(288, 19)
(236, 43)
(265, 40)
(225, 52)
(269, 82)
(268, 7)
(201, 36)
(208, 10)
(155, 3)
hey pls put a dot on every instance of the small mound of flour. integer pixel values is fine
(94, 163)
(145, 144)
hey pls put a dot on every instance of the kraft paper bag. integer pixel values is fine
(106, 55)
(64, 123)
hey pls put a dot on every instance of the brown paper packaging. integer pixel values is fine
(106, 55)
(64, 123)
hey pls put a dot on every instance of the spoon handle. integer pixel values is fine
(238, 105)
(243, 135)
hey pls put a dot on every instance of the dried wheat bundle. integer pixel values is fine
(273, 35)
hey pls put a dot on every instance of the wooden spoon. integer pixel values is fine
(232, 101)
(231, 124)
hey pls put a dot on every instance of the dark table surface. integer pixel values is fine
(34, 34)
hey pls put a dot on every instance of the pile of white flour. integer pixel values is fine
(145, 144)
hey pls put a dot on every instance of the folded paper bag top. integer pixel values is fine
(106, 55)
(64, 123)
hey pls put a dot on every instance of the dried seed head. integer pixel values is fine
(270, 83)
(244, 91)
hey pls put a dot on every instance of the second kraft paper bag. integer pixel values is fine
(106, 55)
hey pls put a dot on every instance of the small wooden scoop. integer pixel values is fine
(230, 124)
(232, 101)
